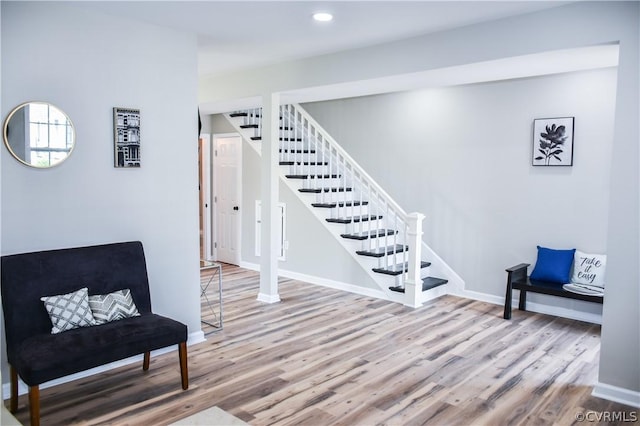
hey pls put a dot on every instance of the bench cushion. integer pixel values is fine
(45, 357)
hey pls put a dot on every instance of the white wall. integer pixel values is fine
(575, 25)
(462, 156)
(86, 64)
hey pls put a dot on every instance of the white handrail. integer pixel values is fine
(326, 136)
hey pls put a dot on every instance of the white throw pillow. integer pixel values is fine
(69, 311)
(589, 268)
(113, 306)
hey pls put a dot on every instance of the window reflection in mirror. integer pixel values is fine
(39, 134)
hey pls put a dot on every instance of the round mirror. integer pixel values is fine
(39, 134)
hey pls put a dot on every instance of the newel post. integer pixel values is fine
(413, 281)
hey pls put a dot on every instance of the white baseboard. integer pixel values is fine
(533, 306)
(268, 298)
(324, 282)
(468, 294)
(616, 394)
(338, 285)
(192, 339)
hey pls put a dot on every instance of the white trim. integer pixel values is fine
(206, 194)
(467, 294)
(282, 237)
(616, 394)
(192, 339)
(532, 306)
(268, 298)
(324, 282)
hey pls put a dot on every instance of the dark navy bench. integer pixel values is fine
(37, 356)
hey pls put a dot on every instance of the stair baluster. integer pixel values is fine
(384, 229)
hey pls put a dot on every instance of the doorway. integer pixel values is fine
(227, 197)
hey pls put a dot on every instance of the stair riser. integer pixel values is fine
(303, 157)
(309, 170)
(323, 183)
(368, 225)
(349, 211)
(282, 133)
(329, 197)
(383, 261)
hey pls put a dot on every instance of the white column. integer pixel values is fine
(413, 283)
(270, 245)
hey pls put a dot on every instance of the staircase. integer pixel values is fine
(378, 233)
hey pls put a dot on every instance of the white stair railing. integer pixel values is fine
(339, 181)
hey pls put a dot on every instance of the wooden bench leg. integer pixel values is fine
(34, 405)
(507, 299)
(184, 373)
(13, 404)
(522, 305)
(145, 361)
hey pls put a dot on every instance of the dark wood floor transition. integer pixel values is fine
(325, 357)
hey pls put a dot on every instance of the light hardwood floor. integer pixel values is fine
(325, 357)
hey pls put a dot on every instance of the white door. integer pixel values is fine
(227, 196)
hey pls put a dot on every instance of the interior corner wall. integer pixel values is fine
(87, 63)
(462, 156)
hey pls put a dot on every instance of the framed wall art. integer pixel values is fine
(126, 133)
(553, 141)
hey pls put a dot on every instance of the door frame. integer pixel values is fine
(206, 193)
(214, 229)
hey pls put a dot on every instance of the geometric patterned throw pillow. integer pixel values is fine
(69, 311)
(113, 306)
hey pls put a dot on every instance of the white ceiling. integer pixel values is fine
(233, 35)
(239, 34)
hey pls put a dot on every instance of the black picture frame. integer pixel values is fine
(552, 143)
(126, 137)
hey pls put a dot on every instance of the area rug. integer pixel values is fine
(213, 416)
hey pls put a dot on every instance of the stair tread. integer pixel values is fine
(245, 114)
(259, 138)
(427, 284)
(319, 190)
(299, 151)
(369, 234)
(353, 219)
(306, 163)
(340, 204)
(326, 176)
(381, 251)
(399, 268)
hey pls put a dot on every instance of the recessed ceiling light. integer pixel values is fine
(323, 17)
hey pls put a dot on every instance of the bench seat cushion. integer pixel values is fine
(45, 357)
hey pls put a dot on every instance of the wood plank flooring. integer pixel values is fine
(325, 357)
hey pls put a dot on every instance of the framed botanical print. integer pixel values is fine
(553, 141)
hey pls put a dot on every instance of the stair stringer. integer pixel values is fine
(350, 246)
(440, 268)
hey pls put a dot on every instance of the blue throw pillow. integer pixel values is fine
(553, 265)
